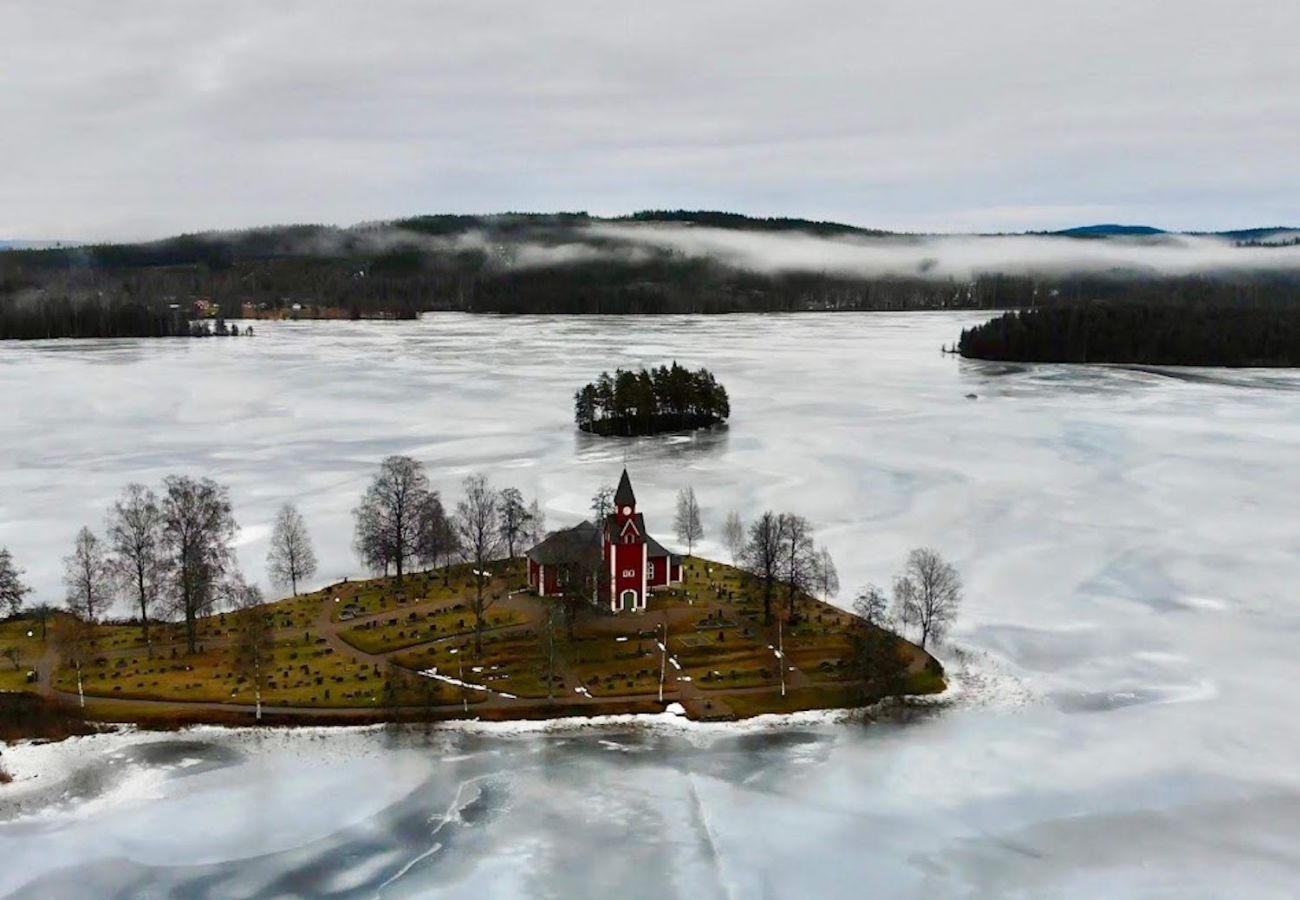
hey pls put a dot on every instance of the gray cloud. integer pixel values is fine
(137, 119)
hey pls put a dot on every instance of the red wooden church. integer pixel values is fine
(626, 561)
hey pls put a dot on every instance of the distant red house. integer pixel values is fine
(629, 562)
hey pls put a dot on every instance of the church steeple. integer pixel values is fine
(623, 497)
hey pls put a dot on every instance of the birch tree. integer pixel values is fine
(197, 540)
(687, 521)
(871, 605)
(291, 558)
(514, 519)
(88, 577)
(602, 503)
(536, 522)
(797, 556)
(928, 594)
(435, 540)
(733, 534)
(478, 526)
(134, 535)
(254, 638)
(388, 519)
(763, 554)
(826, 578)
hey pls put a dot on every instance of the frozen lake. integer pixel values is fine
(1129, 541)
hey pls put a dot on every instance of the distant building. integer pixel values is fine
(624, 562)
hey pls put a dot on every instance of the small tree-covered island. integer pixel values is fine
(651, 401)
(475, 610)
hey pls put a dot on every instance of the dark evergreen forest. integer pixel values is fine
(651, 401)
(1153, 333)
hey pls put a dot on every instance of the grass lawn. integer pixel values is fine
(409, 628)
(381, 595)
(303, 673)
(822, 697)
(715, 634)
(14, 634)
(11, 680)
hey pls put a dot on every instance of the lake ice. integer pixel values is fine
(1129, 541)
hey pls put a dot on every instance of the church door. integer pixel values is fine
(629, 601)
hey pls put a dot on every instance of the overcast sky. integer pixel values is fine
(139, 119)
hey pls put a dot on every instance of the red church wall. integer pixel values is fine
(552, 580)
(627, 571)
(658, 577)
(551, 574)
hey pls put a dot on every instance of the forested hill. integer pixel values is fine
(1153, 334)
(649, 262)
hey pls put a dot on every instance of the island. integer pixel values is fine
(369, 651)
(1156, 333)
(597, 618)
(651, 401)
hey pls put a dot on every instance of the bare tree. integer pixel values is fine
(388, 519)
(514, 519)
(42, 613)
(826, 579)
(763, 554)
(871, 604)
(733, 533)
(369, 540)
(451, 549)
(88, 577)
(74, 641)
(435, 539)
(198, 531)
(928, 594)
(291, 558)
(478, 525)
(797, 556)
(687, 521)
(602, 503)
(12, 588)
(536, 522)
(584, 577)
(254, 645)
(134, 534)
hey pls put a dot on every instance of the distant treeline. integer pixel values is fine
(33, 318)
(513, 263)
(1155, 334)
(650, 401)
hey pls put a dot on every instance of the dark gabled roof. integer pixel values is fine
(624, 496)
(653, 547)
(567, 545)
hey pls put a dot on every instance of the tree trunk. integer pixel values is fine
(478, 620)
(144, 616)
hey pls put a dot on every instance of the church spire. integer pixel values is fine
(624, 496)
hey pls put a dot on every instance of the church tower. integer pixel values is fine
(625, 550)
